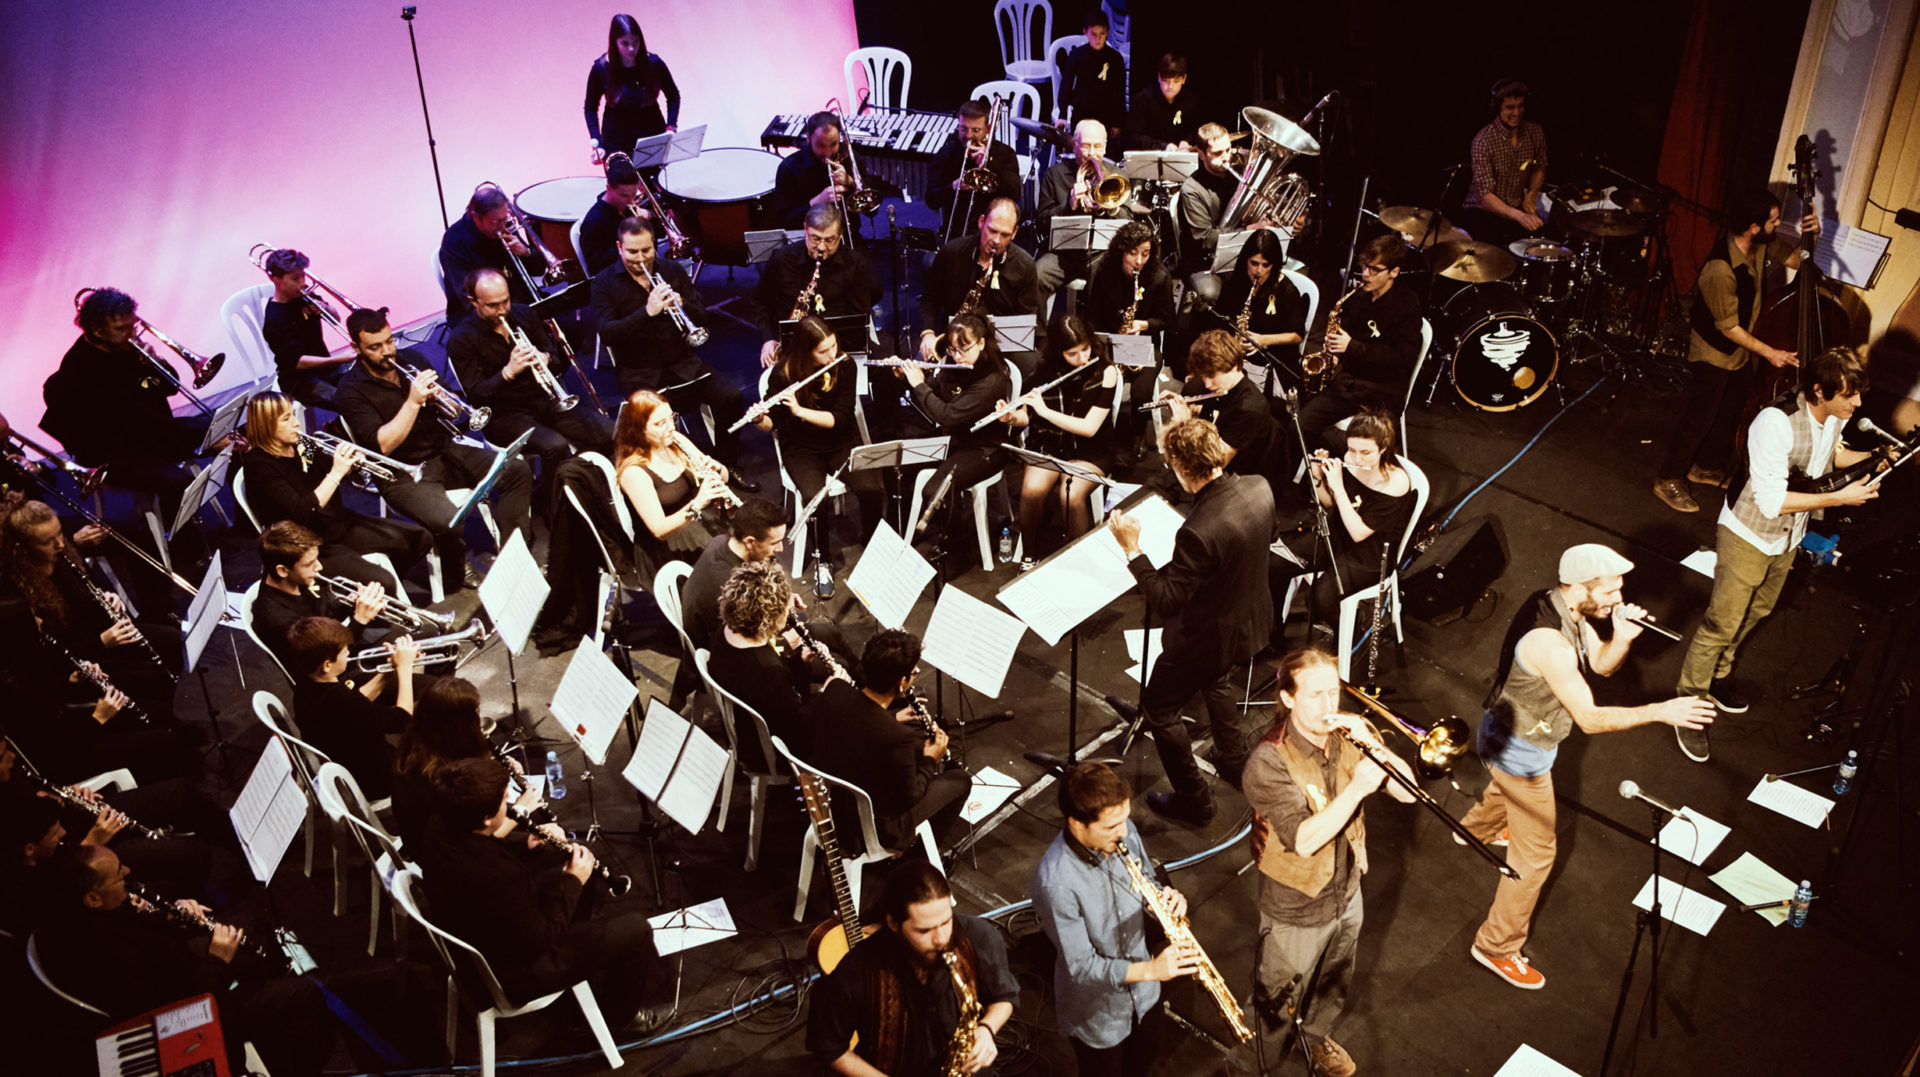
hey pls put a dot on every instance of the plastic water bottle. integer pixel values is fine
(1797, 908)
(1006, 544)
(822, 580)
(1848, 769)
(556, 778)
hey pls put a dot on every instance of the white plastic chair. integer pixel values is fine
(1014, 21)
(666, 591)
(1119, 32)
(580, 254)
(40, 973)
(1018, 99)
(339, 797)
(876, 65)
(1057, 51)
(306, 758)
(247, 598)
(1413, 379)
(1350, 604)
(836, 489)
(978, 491)
(758, 782)
(496, 1005)
(244, 316)
(852, 860)
(116, 781)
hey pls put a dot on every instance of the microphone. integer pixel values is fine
(1630, 789)
(1052, 764)
(1315, 110)
(1866, 426)
(933, 504)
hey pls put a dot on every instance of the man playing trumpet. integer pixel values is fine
(504, 357)
(1307, 782)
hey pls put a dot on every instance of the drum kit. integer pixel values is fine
(1504, 313)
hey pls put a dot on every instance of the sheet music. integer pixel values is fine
(889, 577)
(1142, 663)
(513, 592)
(695, 925)
(1751, 881)
(695, 782)
(210, 481)
(1015, 332)
(1089, 573)
(1792, 801)
(270, 811)
(1690, 909)
(1694, 840)
(203, 614)
(991, 789)
(1130, 350)
(592, 699)
(1847, 254)
(1530, 1062)
(971, 641)
(1701, 561)
(661, 737)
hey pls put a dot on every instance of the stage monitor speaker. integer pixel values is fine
(1451, 575)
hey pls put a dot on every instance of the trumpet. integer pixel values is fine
(430, 651)
(695, 335)
(455, 414)
(1179, 933)
(1170, 401)
(396, 612)
(543, 375)
(258, 253)
(204, 368)
(320, 443)
(89, 479)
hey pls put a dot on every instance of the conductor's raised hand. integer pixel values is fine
(1126, 531)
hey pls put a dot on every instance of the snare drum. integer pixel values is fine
(725, 189)
(1503, 357)
(1547, 269)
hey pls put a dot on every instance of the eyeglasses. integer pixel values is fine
(1364, 269)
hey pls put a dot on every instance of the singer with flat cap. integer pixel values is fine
(1539, 694)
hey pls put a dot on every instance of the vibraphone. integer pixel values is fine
(896, 145)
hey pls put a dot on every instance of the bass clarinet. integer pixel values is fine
(1180, 933)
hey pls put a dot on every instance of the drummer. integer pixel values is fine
(1376, 347)
(1509, 158)
(810, 176)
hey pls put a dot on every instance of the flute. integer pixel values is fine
(782, 396)
(921, 363)
(1170, 401)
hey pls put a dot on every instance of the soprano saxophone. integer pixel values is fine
(961, 1045)
(1133, 305)
(1178, 933)
(1241, 323)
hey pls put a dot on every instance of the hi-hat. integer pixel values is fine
(1606, 223)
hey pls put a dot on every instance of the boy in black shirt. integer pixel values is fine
(349, 724)
(291, 326)
(289, 569)
(1093, 81)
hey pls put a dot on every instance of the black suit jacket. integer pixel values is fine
(652, 345)
(957, 267)
(1213, 596)
(846, 285)
(1056, 197)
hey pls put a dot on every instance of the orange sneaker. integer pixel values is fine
(1514, 970)
(1505, 833)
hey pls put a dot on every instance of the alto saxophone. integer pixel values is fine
(961, 1045)
(979, 288)
(1178, 933)
(1320, 367)
(803, 302)
(1133, 305)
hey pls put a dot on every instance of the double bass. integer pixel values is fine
(1808, 317)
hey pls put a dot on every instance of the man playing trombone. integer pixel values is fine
(813, 175)
(504, 357)
(956, 192)
(487, 236)
(291, 326)
(1307, 782)
(381, 402)
(1072, 187)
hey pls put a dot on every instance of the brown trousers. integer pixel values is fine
(1525, 807)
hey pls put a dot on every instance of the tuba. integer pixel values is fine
(1267, 191)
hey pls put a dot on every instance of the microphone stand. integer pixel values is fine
(1432, 229)
(406, 14)
(1646, 922)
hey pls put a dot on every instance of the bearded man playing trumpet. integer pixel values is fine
(1307, 782)
(505, 359)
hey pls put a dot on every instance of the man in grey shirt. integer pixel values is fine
(1106, 984)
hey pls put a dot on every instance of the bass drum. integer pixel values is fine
(1503, 357)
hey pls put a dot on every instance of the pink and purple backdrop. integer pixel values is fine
(150, 143)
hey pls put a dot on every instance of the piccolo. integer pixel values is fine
(617, 885)
(782, 396)
(1170, 401)
(921, 363)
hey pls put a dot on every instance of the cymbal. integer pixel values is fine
(1411, 221)
(1606, 222)
(1470, 261)
(1045, 132)
(1638, 200)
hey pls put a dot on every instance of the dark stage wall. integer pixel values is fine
(149, 143)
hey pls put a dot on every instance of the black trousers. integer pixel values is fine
(403, 542)
(1703, 432)
(556, 435)
(458, 467)
(614, 955)
(1131, 1057)
(1175, 680)
(314, 387)
(714, 390)
(287, 1021)
(941, 804)
(204, 863)
(809, 466)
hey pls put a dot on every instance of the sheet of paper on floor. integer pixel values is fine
(991, 789)
(1751, 881)
(1693, 841)
(1792, 801)
(1689, 908)
(1530, 1062)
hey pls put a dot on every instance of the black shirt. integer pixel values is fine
(632, 112)
(282, 488)
(1076, 397)
(275, 611)
(111, 405)
(352, 729)
(367, 403)
(1385, 344)
(1277, 308)
(1093, 84)
(846, 285)
(651, 345)
(479, 356)
(1056, 198)
(124, 962)
(1245, 421)
(760, 678)
(1112, 288)
(800, 176)
(292, 331)
(1001, 161)
(1154, 123)
(463, 249)
(837, 400)
(1202, 197)
(953, 400)
(700, 595)
(508, 901)
(842, 1007)
(600, 235)
(1013, 288)
(854, 739)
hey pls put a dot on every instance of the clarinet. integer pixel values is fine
(540, 814)
(100, 599)
(918, 703)
(97, 677)
(799, 628)
(804, 300)
(1379, 608)
(617, 885)
(146, 902)
(71, 797)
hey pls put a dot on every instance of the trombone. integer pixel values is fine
(1445, 741)
(258, 253)
(974, 180)
(428, 651)
(861, 198)
(204, 368)
(543, 375)
(678, 245)
(372, 463)
(396, 612)
(517, 228)
(89, 479)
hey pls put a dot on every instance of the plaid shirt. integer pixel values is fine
(1501, 166)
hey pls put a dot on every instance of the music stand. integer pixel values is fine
(761, 245)
(573, 297)
(1159, 166)
(224, 420)
(204, 614)
(1082, 233)
(1016, 332)
(1131, 350)
(1226, 251)
(485, 485)
(657, 151)
(511, 597)
(898, 455)
(211, 480)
